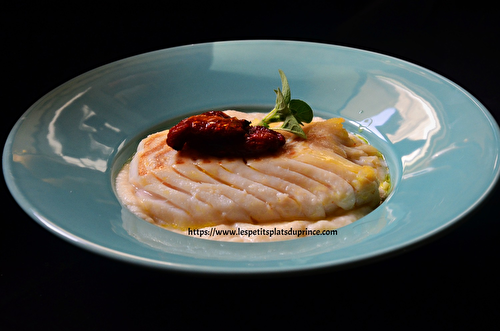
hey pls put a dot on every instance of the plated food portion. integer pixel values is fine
(235, 176)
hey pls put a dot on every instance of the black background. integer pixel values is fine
(46, 281)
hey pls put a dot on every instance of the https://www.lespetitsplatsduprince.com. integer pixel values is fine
(274, 232)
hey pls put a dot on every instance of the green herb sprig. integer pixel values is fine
(292, 112)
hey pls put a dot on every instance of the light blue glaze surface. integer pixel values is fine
(61, 157)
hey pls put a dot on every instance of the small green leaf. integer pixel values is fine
(281, 105)
(301, 110)
(291, 125)
(285, 87)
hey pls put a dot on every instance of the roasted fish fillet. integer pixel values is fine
(318, 179)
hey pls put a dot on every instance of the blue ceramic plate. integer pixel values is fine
(62, 156)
